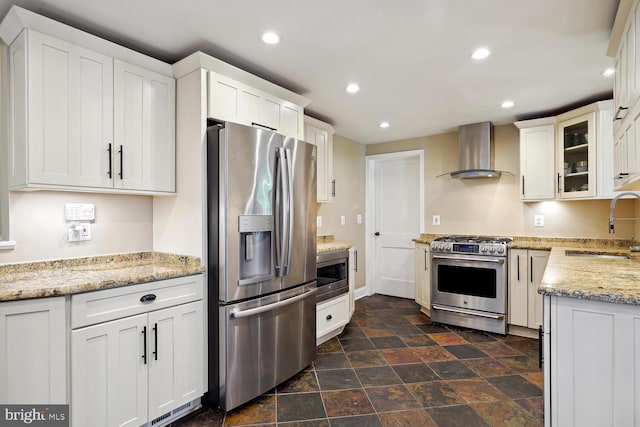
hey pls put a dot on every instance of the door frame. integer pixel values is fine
(372, 162)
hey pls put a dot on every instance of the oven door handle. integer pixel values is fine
(491, 260)
(269, 307)
(469, 312)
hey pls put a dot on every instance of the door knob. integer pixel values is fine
(377, 233)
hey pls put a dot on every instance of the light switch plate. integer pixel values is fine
(318, 221)
(436, 220)
(343, 220)
(358, 219)
(538, 220)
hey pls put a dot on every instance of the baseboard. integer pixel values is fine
(521, 331)
(361, 292)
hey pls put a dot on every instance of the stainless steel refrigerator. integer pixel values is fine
(261, 199)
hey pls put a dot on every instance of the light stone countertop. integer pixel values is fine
(75, 275)
(328, 244)
(614, 280)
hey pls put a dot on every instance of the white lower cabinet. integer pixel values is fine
(140, 368)
(591, 368)
(331, 317)
(526, 268)
(33, 351)
(423, 278)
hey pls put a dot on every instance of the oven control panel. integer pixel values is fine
(495, 249)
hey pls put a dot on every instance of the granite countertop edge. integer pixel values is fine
(76, 275)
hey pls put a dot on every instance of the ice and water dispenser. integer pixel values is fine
(255, 248)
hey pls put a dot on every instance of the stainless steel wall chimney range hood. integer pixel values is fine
(474, 154)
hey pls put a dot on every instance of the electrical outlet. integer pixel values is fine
(436, 220)
(79, 231)
(343, 220)
(538, 220)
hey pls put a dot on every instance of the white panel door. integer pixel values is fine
(176, 371)
(397, 222)
(70, 113)
(109, 373)
(144, 132)
(33, 350)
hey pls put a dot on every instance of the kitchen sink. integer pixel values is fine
(601, 255)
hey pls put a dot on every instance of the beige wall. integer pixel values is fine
(122, 224)
(493, 206)
(349, 173)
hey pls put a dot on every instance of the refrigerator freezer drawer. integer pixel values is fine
(264, 342)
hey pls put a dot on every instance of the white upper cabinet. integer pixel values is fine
(81, 118)
(569, 156)
(537, 162)
(234, 101)
(320, 134)
(144, 129)
(624, 44)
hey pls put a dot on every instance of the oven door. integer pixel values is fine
(471, 282)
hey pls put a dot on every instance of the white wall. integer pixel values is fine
(122, 224)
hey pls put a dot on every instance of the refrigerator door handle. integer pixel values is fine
(289, 212)
(278, 213)
(269, 307)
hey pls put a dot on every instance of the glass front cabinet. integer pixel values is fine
(576, 157)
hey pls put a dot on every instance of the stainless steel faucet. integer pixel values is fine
(612, 229)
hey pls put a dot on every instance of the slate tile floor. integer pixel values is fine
(393, 367)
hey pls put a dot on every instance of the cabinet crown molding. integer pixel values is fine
(198, 60)
(17, 19)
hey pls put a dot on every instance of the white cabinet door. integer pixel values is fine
(70, 113)
(537, 263)
(423, 277)
(109, 374)
(537, 163)
(292, 120)
(176, 345)
(321, 135)
(518, 289)
(33, 348)
(353, 269)
(144, 129)
(526, 268)
(593, 384)
(576, 149)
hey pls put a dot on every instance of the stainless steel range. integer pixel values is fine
(469, 282)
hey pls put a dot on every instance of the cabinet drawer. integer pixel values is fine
(332, 314)
(102, 306)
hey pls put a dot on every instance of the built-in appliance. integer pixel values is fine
(261, 200)
(469, 282)
(333, 268)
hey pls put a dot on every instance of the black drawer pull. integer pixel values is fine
(329, 317)
(148, 298)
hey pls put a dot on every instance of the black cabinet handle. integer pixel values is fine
(333, 188)
(540, 337)
(531, 268)
(355, 255)
(618, 111)
(329, 317)
(148, 298)
(110, 173)
(121, 152)
(144, 340)
(523, 185)
(425, 260)
(558, 183)
(518, 269)
(155, 333)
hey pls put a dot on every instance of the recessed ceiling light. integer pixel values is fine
(608, 72)
(270, 38)
(480, 53)
(507, 104)
(384, 125)
(353, 88)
